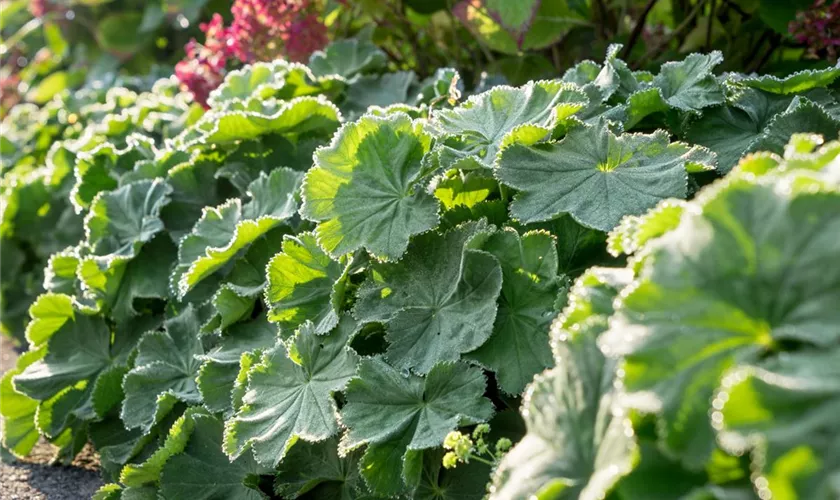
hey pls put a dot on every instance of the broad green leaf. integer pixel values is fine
(784, 412)
(263, 80)
(458, 188)
(305, 284)
(202, 471)
(438, 301)
(690, 85)
(101, 168)
(368, 91)
(594, 175)
(590, 302)
(49, 313)
(315, 470)
(290, 394)
(364, 188)
(121, 221)
(194, 187)
(18, 410)
(516, 351)
(577, 445)
(348, 58)
(721, 288)
(222, 362)
(244, 120)
(476, 129)
(801, 116)
(164, 372)
(401, 414)
(224, 231)
(795, 83)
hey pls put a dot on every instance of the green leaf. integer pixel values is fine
(690, 85)
(795, 83)
(18, 410)
(224, 231)
(317, 471)
(290, 394)
(120, 32)
(202, 471)
(399, 414)
(305, 284)
(438, 301)
(244, 120)
(348, 58)
(380, 161)
(164, 372)
(458, 188)
(721, 288)
(784, 411)
(263, 80)
(577, 444)
(476, 129)
(121, 221)
(101, 168)
(380, 90)
(801, 116)
(635, 231)
(517, 349)
(594, 175)
(222, 363)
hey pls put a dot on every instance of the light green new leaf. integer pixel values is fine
(438, 301)
(121, 221)
(517, 349)
(594, 175)
(317, 471)
(398, 414)
(224, 231)
(290, 394)
(164, 372)
(18, 410)
(746, 269)
(690, 85)
(635, 231)
(795, 83)
(305, 284)
(577, 445)
(364, 189)
(477, 128)
(785, 412)
(203, 472)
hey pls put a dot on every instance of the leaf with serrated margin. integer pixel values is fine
(577, 445)
(222, 363)
(263, 80)
(79, 376)
(244, 120)
(690, 85)
(18, 410)
(194, 186)
(121, 221)
(305, 284)
(203, 472)
(348, 58)
(290, 394)
(635, 231)
(364, 188)
(594, 175)
(475, 129)
(101, 169)
(747, 268)
(783, 411)
(794, 83)
(315, 470)
(383, 90)
(438, 301)
(224, 231)
(516, 351)
(164, 371)
(803, 115)
(402, 414)
(457, 188)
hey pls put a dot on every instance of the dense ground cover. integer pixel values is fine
(342, 279)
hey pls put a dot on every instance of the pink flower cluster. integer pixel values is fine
(818, 28)
(261, 30)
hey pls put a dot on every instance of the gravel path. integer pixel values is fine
(33, 478)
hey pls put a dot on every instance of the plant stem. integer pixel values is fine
(709, 25)
(637, 30)
(685, 24)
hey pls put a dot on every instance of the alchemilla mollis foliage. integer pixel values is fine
(302, 293)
